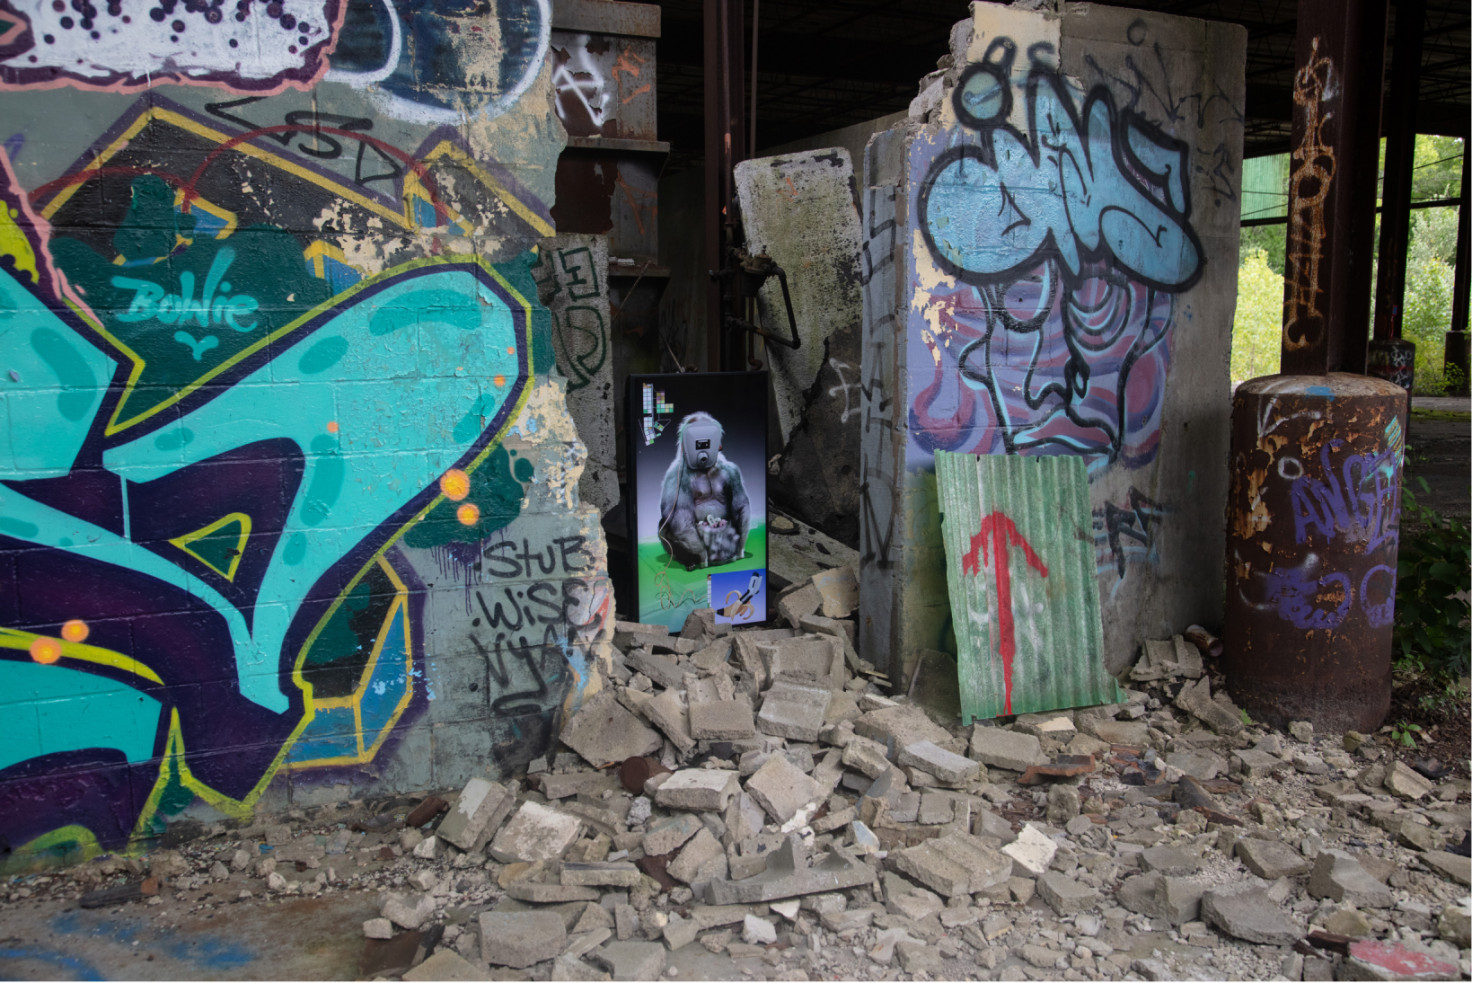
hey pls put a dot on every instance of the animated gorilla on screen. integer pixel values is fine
(704, 513)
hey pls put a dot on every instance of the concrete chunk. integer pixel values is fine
(1406, 783)
(997, 747)
(947, 766)
(535, 833)
(1033, 850)
(405, 911)
(444, 964)
(1065, 895)
(954, 864)
(794, 710)
(812, 659)
(667, 835)
(898, 726)
(667, 712)
(864, 755)
(700, 860)
(781, 788)
(839, 591)
(698, 789)
(789, 876)
(722, 720)
(620, 873)
(1271, 859)
(631, 960)
(1250, 915)
(1340, 877)
(521, 938)
(481, 807)
(604, 733)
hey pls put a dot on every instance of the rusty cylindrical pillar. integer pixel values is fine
(1313, 519)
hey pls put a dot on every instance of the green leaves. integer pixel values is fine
(1434, 574)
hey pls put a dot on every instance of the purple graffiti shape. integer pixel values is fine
(1297, 595)
(1379, 613)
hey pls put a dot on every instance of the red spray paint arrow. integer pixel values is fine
(1003, 534)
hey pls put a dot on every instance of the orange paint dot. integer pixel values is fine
(75, 630)
(46, 650)
(499, 380)
(510, 350)
(455, 484)
(468, 514)
(332, 426)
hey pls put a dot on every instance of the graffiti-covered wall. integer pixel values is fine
(288, 490)
(1050, 268)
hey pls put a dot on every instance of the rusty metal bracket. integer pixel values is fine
(754, 271)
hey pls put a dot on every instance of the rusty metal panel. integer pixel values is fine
(605, 85)
(606, 17)
(1313, 530)
(1020, 573)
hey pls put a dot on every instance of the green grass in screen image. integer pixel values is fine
(668, 592)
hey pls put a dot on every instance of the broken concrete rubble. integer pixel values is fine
(890, 842)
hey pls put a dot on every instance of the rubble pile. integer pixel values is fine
(750, 803)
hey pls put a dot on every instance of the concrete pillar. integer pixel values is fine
(1012, 305)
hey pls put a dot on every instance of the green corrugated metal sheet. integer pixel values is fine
(1020, 573)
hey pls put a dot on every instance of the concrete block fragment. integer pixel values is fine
(788, 875)
(1065, 895)
(812, 659)
(867, 756)
(1250, 915)
(618, 873)
(661, 668)
(1452, 866)
(521, 938)
(699, 860)
(838, 590)
(1033, 850)
(631, 960)
(1371, 959)
(1130, 732)
(758, 931)
(947, 766)
(954, 864)
(407, 911)
(794, 605)
(794, 710)
(1271, 859)
(680, 932)
(997, 747)
(698, 789)
(898, 726)
(667, 835)
(536, 832)
(603, 732)
(1257, 764)
(444, 964)
(723, 720)
(1406, 783)
(1340, 877)
(667, 712)
(781, 788)
(480, 808)
(378, 928)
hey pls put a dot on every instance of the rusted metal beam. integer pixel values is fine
(725, 147)
(1400, 154)
(1340, 54)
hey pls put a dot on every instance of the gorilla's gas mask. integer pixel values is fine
(701, 442)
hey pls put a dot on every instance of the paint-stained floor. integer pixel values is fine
(305, 939)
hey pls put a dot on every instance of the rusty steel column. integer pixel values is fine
(1313, 511)
(1313, 520)
(1332, 173)
(1391, 356)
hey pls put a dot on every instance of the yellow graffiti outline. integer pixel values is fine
(27, 856)
(318, 252)
(399, 608)
(14, 638)
(174, 747)
(190, 537)
(447, 150)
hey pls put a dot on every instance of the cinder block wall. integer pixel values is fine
(289, 501)
(1050, 267)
